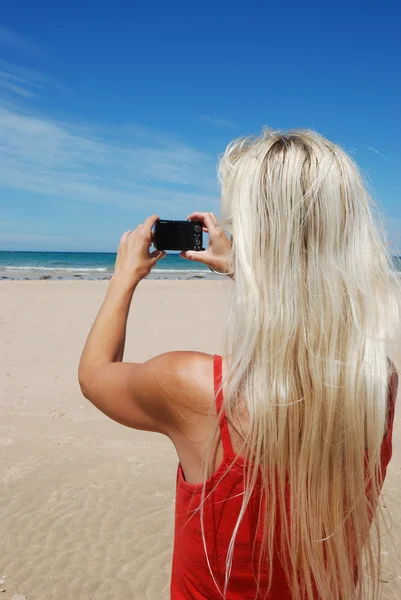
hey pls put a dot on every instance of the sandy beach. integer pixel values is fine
(87, 505)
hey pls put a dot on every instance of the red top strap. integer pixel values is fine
(218, 391)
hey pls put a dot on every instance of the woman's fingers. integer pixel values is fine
(148, 226)
(157, 254)
(124, 236)
(209, 220)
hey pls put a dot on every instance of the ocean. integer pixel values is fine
(98, 265)
(90, 265)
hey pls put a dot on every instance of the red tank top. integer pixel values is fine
(191, 577)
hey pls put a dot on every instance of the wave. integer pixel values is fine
(199, 271)
(42, 268)
(98, 269)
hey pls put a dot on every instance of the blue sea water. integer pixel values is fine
(88, 265)
(97, 265)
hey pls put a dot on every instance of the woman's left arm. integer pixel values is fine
(129, 393)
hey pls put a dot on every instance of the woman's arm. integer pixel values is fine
(106, 340)
(127, 392)
(155, 395)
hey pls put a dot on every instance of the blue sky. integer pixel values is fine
(112, 111)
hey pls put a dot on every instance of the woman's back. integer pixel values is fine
(205, 517)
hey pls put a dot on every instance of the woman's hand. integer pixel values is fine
(218, 254)
(134, 259)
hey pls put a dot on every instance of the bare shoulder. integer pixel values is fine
(183, 382)
(182, 363)
(186, 377)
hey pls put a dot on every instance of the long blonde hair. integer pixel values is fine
(314, 304)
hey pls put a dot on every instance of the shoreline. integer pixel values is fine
(159, 276)
(166, 276)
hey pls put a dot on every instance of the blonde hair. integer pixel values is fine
(314, 304)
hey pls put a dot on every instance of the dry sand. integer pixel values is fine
(86, 504)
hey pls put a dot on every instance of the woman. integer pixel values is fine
(283, 444)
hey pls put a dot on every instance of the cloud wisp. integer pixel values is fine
(65, 160)
(16, 41)
(20, 82)
(217, 121)
(61, 159)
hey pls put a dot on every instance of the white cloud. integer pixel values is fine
(16, 89)
(216, 120)
(129, 165)
(16, 41)
(28, 83)
(61, 159)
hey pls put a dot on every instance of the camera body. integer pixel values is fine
(178, 235)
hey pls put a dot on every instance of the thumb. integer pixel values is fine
(198, 256)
